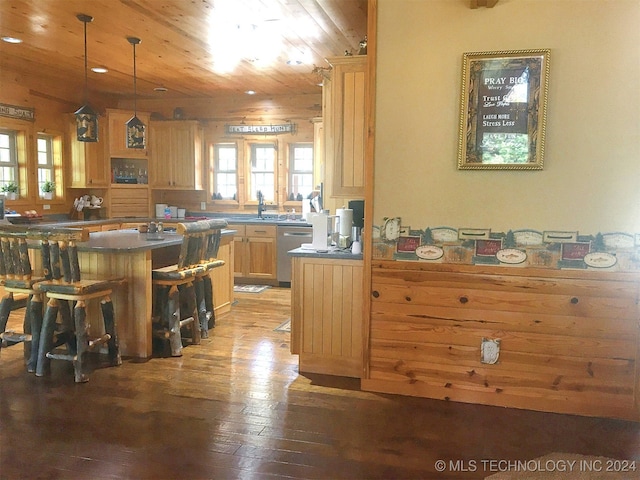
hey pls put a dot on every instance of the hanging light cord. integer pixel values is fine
(86, 77)
(135, 90)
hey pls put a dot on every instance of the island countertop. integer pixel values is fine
(131, 255)
(127, 241)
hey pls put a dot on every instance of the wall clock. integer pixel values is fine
(390, 230)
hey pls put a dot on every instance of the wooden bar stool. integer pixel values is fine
(16, 276)
(203, 285)
(62, 283)
(175, 285)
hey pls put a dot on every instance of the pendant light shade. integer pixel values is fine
(86, 117)
(136, 131)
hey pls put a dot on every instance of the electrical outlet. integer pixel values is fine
(46, 207)
(203, 205)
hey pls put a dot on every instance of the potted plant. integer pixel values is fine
(10, 190)
(48, 188)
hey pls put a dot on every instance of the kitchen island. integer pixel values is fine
(132, 255)
(326, 311)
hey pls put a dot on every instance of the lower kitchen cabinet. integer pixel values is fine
(222, 277)
(326, 315)
(255, 253)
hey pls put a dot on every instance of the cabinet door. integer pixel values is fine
(176, 155)
(117, 120)
(345, 131)
(238, 249)
(183, 156)
(89, 166)
(261, 257)
(160, 158)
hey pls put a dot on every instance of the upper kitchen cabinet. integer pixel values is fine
(89, 160)
(345, 125)
(176, 155)
(117, 120)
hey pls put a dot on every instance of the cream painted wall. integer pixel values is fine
(591, 175)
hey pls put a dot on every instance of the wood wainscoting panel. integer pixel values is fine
(568, 339)
(327, 315)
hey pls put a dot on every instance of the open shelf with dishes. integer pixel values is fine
(129, 171)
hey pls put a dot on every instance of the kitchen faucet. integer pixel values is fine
(261, 206)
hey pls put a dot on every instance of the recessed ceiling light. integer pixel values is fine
(99, 69)
(160, 89)
(250, 92)
(11, 40)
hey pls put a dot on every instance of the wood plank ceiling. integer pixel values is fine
(193, 48)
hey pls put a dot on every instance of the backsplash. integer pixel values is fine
(611, 251)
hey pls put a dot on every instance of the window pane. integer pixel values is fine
(45, 160)
(301, 171)
(226, 177)
(263, 171)
(8, 157)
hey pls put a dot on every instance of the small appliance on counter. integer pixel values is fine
(346, 227)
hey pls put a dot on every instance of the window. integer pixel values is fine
(226, 172)
(45, 160)
(263, 174)
(8, 158)
(300, 171)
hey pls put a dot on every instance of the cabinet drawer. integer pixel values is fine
(240, 229)
(261, 231)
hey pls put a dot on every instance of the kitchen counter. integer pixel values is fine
(127, 241)
(336, 253)
(266, 220)
(132, 255)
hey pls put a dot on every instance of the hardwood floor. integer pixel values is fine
(235, 407)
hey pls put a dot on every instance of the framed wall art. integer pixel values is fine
(503, 110)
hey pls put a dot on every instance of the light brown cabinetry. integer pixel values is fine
(326, 315)
(89, 160)
(129, 201)
(345, 125)
(568, 340)
(255, 253)
(117, 120)
(222, 278)
(176, 155)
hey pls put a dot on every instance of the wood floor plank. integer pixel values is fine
(235, 407)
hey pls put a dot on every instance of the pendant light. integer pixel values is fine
(86, 117)
(136, 137)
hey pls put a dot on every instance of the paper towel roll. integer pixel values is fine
(346, 221)
(160, 209)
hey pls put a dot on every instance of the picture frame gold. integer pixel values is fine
(503, 110)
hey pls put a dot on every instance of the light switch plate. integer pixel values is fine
(203, 205)
(46, 207)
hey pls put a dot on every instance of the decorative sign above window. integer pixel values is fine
(261, 129)
(21, 113)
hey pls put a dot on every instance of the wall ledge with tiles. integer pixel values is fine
(611, 251)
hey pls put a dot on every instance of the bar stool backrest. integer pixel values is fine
(201, 241)
(60, 253)
(14, 256)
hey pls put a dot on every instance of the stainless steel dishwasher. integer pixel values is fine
(290, 237)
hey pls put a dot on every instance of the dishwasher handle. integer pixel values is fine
(296, 234)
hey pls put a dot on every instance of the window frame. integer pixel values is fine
(251, 183)
(292, 171)
(14, 163)
(215, 162)
(55, 140)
